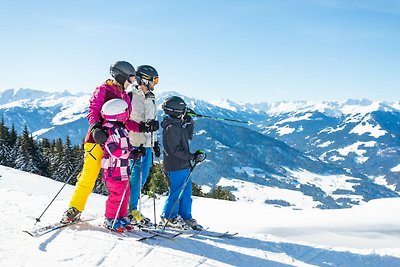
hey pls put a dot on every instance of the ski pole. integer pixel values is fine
(80, 165)
(153, 182)
(140, 185)
(120, 204)
(215, 118)
(180, 195)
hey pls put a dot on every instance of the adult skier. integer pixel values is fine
(145, 109)
(177, 130)
(123, 74)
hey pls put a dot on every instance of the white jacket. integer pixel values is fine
(143, 109)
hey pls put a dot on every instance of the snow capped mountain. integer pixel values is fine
(332, 154)
(47, 115)
(360, 135)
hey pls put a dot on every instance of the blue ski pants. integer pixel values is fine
(184, 205)
(140, 169)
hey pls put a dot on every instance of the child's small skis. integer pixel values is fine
(53, 227)
(132, 232)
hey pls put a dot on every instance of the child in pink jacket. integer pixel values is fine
(116, 163)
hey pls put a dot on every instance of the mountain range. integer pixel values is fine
(333, 154)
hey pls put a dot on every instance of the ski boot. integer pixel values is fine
(138, 218)
(127, 223)
(193, 223)
(177, 223)
(70, 215)
(115, 226)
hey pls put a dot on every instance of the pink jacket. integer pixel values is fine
(117, 152)
(102, 94)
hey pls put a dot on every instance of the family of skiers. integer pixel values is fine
(120, 142)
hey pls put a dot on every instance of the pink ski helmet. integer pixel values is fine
(115, 110)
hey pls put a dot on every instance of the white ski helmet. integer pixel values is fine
(115, 110)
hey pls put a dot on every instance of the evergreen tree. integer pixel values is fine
(45, 150)
(56, 160)
(36, 161)
(196, 190)
(156, 182)
(3, 130)
(12, 138)
(13, 144)
(4, 147)
(220, 193)
(29, 157)
(67, 163)
(22, 159)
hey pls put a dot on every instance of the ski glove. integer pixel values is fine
(188, 118)
(149, 126)
(99, 135)
(132, 126)
(157, 150)
(199, 156)
(138, 152)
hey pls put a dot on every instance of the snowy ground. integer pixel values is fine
(366, 235)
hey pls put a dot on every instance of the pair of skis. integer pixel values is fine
(191, 233)
(138, 232)
(53, 227)
(185, 232)
(135, 233)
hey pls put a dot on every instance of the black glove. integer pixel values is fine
(188, 118)
(157, 150)
(149, 126)
(138, 152)
(99, 135)
(199, 156)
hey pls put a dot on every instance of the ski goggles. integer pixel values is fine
(154, 80)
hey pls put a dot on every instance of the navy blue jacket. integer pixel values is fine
(176, 151)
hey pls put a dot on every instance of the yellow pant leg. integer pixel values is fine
(87, 177)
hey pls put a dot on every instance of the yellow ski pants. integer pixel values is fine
(88, 175)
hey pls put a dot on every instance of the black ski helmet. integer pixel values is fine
(121, 71)
(148, 73)
(174, 106)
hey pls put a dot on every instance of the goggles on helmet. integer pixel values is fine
(115, 110)
(122, 117)
(183, 111)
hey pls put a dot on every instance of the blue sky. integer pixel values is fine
(249, 51)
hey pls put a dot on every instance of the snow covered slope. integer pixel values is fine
(365, 235)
